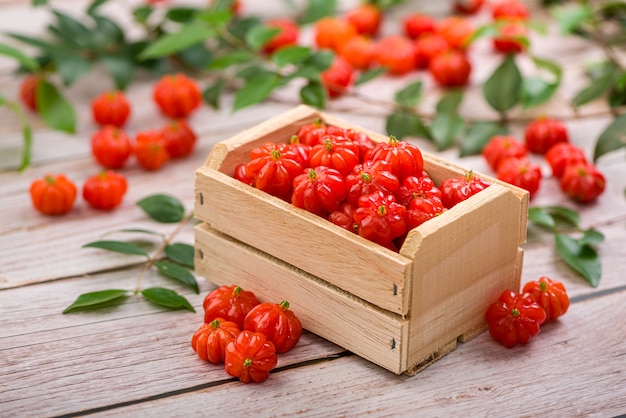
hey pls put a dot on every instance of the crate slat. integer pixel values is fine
(298, 237)
(336, 315)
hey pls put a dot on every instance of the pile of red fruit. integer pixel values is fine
(517, 317)
(177, 96)
(245, 334)
(424, 43)
(379, 191)
(579, 179)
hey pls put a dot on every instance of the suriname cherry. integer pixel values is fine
(177, 96)
(105, 190)
(111, 147)
(450, 69)
(150, 149)
(111, 108)
(396, 53)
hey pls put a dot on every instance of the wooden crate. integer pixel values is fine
(403, 310)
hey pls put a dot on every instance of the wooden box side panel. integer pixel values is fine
(328, 312)
(304, 240)
(461, 266)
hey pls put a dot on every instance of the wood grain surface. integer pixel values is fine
(135, 359)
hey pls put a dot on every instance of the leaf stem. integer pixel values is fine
(608, 222)
(26, 134)
(157, 254)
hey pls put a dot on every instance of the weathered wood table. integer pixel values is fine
(135, 359)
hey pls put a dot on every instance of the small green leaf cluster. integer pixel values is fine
(446, 127)
(503, 90)
(577, 249)
(506, 87)
(173, 260)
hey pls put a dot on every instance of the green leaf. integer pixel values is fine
(37, 43)
(551, 66)
(24, 60)
(120, 67)
(450, 101)
(445, 129)
(26, 131)
(290, 55)
(231, 58)
(617, 96)
(107, 33)
(490, 30)
(220, 20)
(594, 90)
(142, 13)
(222, 5)
(118, 247)
(163, 208)
(314, 94)
(368, 75)
(478, 135)
(259, 36)
(252, 71)
(181, 14)
(190, 34)
(410, 95)
(256, 89)
(71, 67)
(70, 27)
(96, 299)
(27, 136)
(177, 272)
(156, 66)
(317, 9)
(591, 237)
(403, 124)
(320, 59)
(55, 110)
(181, 253)
(571, 17)
(502, 88)
(212, 93)
(612, 138)
(536, 91)
(37, 3)
(166, 298)
(613, 10)
(309, 72)
(541, 217)
(567, 215)
(581, 257)
(94, 6)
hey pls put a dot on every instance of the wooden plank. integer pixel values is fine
(463, 260)
(55, 364)
(277, 228)
(562, 372)
(324, 310)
